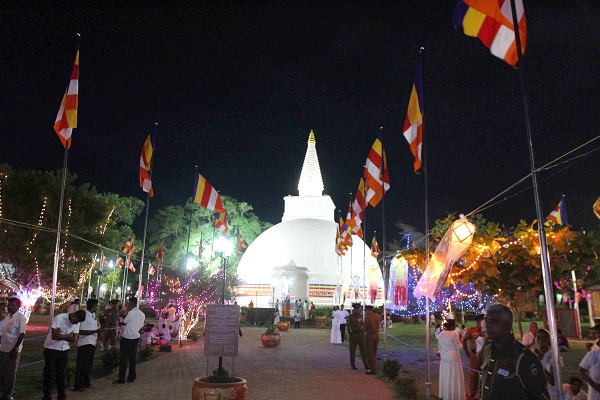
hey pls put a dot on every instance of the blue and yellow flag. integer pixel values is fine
(558, 216)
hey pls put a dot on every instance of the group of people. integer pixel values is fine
(364, 334)
(509, 369)
(81, 326)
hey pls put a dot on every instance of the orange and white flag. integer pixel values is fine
(66, 119)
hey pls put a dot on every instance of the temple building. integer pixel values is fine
(296, 259)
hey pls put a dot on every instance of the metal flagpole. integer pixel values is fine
(546, 273)
(58, 232)
(426, 195)
(384, 269)
(146, 218)
(125, 273)
(112, 283)
(364, 221)
(89, 280)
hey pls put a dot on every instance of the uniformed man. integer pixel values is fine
(509, 370)
(371, 326)
(469, 343)
(110, 321)
(356, 335)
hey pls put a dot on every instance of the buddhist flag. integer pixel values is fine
(159, 253)
(558, 215)
(120, 262)
(376, 175)
(151, 269)
(104, 261)
(348, 223)
(375, 250)
(491, 21)
(358, 208)
(597, 207)
(413, 124)
(145, 159)
(66, 119)
(130, 266)
(128, 246)
(221, 222)
(345, 233)
(207, 196)
(242, 245)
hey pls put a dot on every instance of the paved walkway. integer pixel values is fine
(304, 366)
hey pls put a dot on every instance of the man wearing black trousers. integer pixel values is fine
(86, 346)
(64, 330)
(133, 322)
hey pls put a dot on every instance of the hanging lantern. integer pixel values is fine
(397, 298)
(452, 246)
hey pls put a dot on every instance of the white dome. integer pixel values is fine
(306, 246)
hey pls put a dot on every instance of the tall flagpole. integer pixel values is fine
(426, 195)
(58, 232)
(384, 269)
(545, 259)
(112, 283)
(146, 217)
(364, 222)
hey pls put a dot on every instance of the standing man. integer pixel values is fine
(111, 322)
(356, 336)
(13, 333)
(64, 330)
(510, 370)
(469, 343)
(372, 322)
(529, 338)
(133, 323)
(73, 307)
(343, 315)
(86, 346)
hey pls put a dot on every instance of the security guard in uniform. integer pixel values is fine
(509, 369)
(356, 335)
(372, 322)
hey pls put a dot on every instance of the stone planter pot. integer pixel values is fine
(283, 326)
(320, 321)
(270, 339)
(204, 390)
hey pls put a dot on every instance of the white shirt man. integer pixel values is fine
(529, 338)
(86, 346)
(133, 323)
(13, 332)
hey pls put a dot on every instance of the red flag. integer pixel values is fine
(145, 160)
(66, 119)
(413, 124)
(207, 196)
(376, 174)
(159, 253)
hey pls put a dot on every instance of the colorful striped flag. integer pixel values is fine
(558, 215)
(207, 196)
(130, 266)
(151, 269)
(66, 119)
(413, 124)
(377, 181)
(348, 224)
(242, 245)
(120, 262)
(345, 233)
(145, 159)
(491, 22)
(221, 222)
(375, 250)
(127, 247)
(358, 208)
(597, 207)
(159, 253)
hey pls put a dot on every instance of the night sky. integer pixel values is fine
(237, 87)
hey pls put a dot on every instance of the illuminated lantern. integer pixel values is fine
(452, 246)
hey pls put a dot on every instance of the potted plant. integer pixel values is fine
(320, 315)
(219, 385)
(283, 326)
(270, 338)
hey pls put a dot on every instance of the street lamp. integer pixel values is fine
(224, 248)
(190, 264)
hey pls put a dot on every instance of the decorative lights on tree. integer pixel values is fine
(28, 299)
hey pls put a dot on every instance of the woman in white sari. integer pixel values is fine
(452, 377)
(336, 335)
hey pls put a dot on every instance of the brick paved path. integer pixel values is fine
(304, 366)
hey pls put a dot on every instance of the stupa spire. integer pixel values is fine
(311, 182)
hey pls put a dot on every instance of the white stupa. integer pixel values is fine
(296, 258)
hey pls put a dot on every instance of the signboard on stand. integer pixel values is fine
(222, 330)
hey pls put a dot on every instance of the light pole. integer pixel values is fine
(224, 248)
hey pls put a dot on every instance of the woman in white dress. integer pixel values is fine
(336, 335)
(452, 378)
(542, 349)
